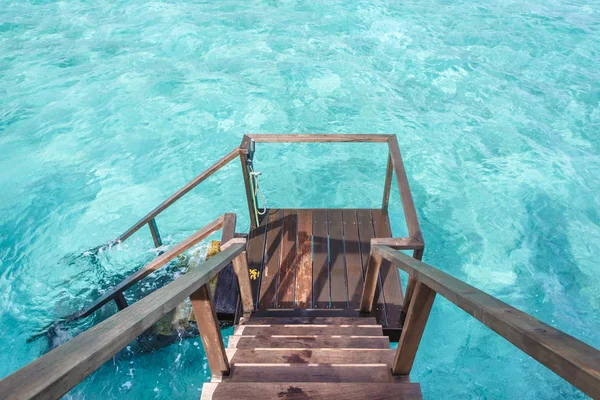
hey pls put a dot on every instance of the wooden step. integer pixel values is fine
(312, 356)
(309, 320)
(328, 330)
(308, 341)
(310, 390)
(312, 373)
(307, 312)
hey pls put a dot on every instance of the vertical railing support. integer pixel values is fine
(245, 158)
(120, 301)
(208, 325)
(155, 234)
(387, 187)
(240, 265)
(412, 331)
(371, 280)
(410, 286)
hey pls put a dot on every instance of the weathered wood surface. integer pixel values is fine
(320, 272)
(311, 390)
(256, 251)
(227, 290)
(367, 232)
(354, 270)
(264, 352)
(208, 326)
(304, 262)
(268, 282)
(573, 360)
(390, 277)
(180, 193)
(404, 243)
(240, 265)
(387, 185)
(287, 270)
(55, 373)
(313, 329)
(247, 183)
(311, 320)
(337, 262)
(152, 266)
(320, 254)
(303, 312)
(371, 281)
(311, 356)
(414, 325)
(308, 341)
(155, 233)
(318, 138)
(294, 372)
(408, 205)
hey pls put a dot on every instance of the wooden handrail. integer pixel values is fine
(152, 266)
(403, 243)
(180, 193)
(575, 361)
(410, 213)
(55, 373)
(318, 138)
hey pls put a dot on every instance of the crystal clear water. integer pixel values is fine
(106, 108)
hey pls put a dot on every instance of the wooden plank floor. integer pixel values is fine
(317, 258)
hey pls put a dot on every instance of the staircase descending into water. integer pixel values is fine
(315, 295)
(310, 358)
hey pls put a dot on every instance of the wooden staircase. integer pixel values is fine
(310, 358)
(320, 287)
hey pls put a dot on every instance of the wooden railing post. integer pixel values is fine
(240, 265)
(244, 148)
(208, 325)
(120, 301)
(371, 278)
(412, 331)
(387, 186)
(410, 286)
(155, 234)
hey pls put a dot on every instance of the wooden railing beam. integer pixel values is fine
(208, 326)
(573, 360)
(404, 243)
(319, 138)
(412, 330)
(152, 266)
(180, 193)
(55, 373)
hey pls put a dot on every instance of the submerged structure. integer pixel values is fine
(315, 295)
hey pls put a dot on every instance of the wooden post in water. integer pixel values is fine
(208, 325)
(155, 234)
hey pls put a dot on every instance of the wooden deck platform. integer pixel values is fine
(317, 258)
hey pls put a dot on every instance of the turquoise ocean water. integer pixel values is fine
(106, 108)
